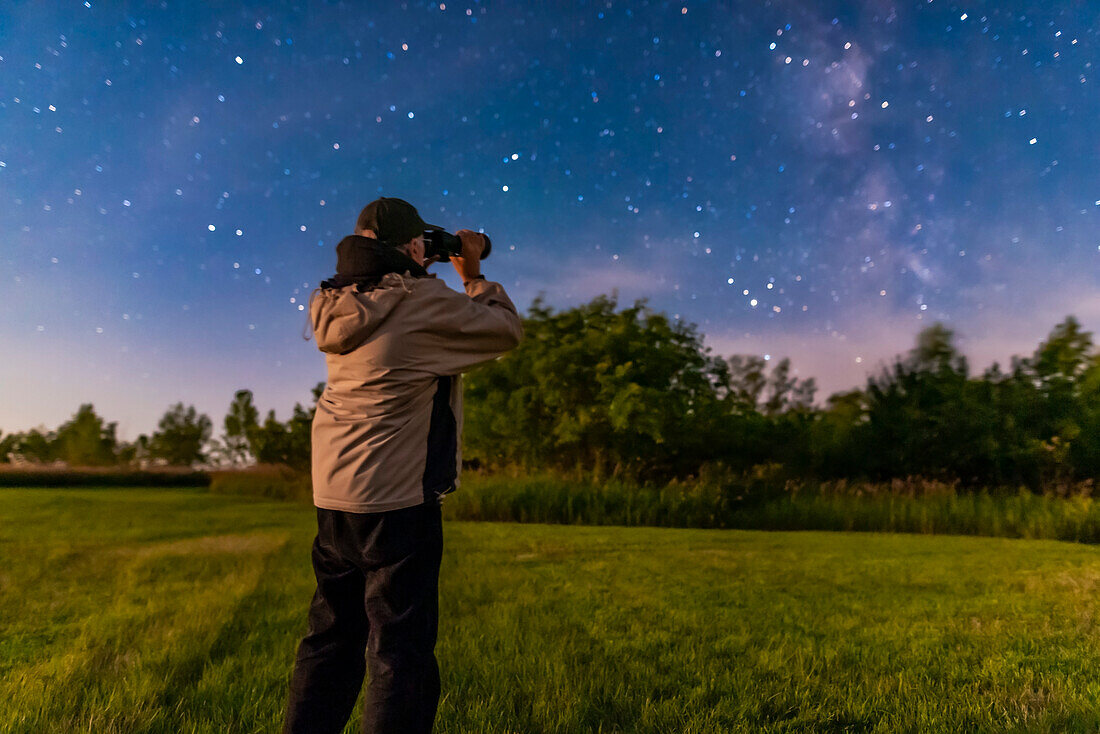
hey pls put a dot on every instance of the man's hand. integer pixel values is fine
(469, 265)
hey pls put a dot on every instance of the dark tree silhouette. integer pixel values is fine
(181, 436)
(240, 426)
(85, 440)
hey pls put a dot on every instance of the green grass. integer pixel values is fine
(179, 611)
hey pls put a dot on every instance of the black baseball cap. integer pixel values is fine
(394, 221)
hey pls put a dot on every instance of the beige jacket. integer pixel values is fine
(387, 430)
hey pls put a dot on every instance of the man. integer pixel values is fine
(386, 448)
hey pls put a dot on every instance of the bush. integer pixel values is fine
(275, 481)
(43, 476)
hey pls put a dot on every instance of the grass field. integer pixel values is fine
(174, 610)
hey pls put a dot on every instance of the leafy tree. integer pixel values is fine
(140, 449)
(752, 389)
(240, 427)
(786, 392)
(1085, 453)
(835, 447)
(127, 453)
(1064, 399)
(917, 422)
(7, 444)
(269, 441)
(928, 389)
(290, 443)
(85, 440)
(599, 390)
(1064, 356)
(36, 445)
(780, 385)
(181, 436)
(935, 352)
(747, 380)
(300, 431)
(1034, 425)
(802, 397)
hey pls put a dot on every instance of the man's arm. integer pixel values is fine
(463, 331)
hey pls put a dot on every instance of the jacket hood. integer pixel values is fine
(371, 279)
(343, 318)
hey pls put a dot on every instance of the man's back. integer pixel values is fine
(386, 434)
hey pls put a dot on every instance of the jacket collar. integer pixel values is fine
(364, 261)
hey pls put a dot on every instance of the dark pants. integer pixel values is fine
(378, 593)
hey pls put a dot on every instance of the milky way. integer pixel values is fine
(819, 180)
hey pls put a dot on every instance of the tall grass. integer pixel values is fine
(765, 503)
(1023, 515)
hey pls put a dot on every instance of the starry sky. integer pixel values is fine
(811, 179)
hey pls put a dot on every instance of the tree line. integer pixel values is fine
(632, 393)
(184, 437)
(627, 392)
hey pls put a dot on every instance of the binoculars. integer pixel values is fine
(446, 245)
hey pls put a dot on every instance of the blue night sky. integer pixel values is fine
(810, 179)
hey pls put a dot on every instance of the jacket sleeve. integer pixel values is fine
(461, 331)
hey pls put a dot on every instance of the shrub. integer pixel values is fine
(44, 476)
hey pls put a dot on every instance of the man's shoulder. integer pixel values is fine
(434, 285)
